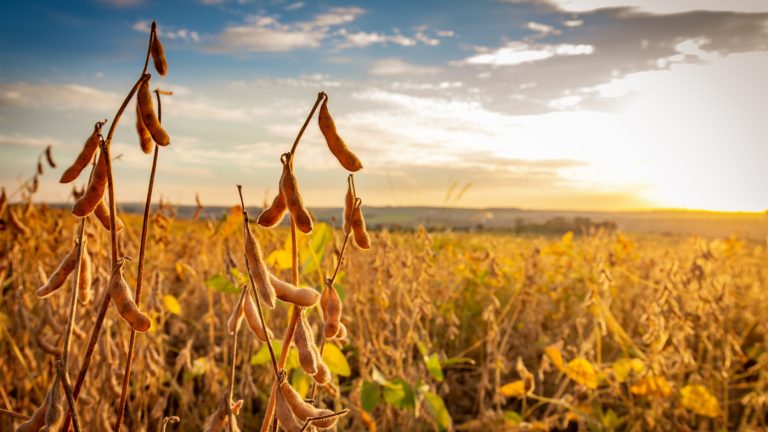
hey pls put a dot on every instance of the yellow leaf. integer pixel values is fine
(281, 259)
(699, 400)
(582, 371)
(623, 367)
(567, 238)
(554, 354)
(652, 386)
(513, 389)
(172, 304)
(335, 360)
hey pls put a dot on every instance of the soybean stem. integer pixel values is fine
(253, 287)
(139, 276)
(320, 97)
(106, 297)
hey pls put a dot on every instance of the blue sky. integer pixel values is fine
(537, 104)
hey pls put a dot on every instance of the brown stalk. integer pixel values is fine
(296, 311)
(329, 282)
(13, 414)
(139, 274)
(309, 420)
(112, 210)
(231, 390)
(253, 288)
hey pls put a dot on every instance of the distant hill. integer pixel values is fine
(707, 224)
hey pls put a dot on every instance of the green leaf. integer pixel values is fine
(300, 381)
(221, 284)
(434, 368)
(313, 252)
(239, 276)
(437, 409)
(335, 360)
(370, 395)
(262, 355)
(378, 377)
(399, 394)
(172, 304)
(513, 417)
(456, 360)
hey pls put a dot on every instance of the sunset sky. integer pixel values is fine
(549, 104)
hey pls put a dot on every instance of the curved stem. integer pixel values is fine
(295, 315)
(139, 277)
(106, 297)
(320, 97)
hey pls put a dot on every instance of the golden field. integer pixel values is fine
(446, 331)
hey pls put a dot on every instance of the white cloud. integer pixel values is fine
(295, 6)
(395, 66)
(145, 26)
(26, 141)
(542, 29)
(519, 52)
(664, 6)
(365, 39)
(573, 23)
(445, 33)
(261, 33)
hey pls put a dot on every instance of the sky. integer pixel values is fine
(537, 104)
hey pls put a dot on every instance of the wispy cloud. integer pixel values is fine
(144, 26)
(396, 66)
(663, 6)
(515, 53)
(363, 39)
(262, 33)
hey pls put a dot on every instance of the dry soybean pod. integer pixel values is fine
(303, 410)
(323, 375)
(237, 316)
(127, 308)
(158, 56)
(87, 203)
(362, 239)
(54, 415)
(304, 297)
(331, 306)
(39, 167)
(85, 156)
(3, 201)
(59, 276)
(102, 214)
(37, 421)
(342, 333)
(145, 138)
(151, 121)
(275, 213)
(349, 204)
(17, 224)
(49, 157)
(289, 187)
(259, 268)
(303, 339)
(285, 414)
(86, 276)
(335, 143)
(252, 317)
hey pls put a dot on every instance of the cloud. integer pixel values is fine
(26, 141)
(294, 6)
(261, 33)
(515, 53)
(363, 39)
(541, 29)
(395, 66)
(144, 26)
(663, 6)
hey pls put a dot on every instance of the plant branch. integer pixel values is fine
(320, 97)
(253, 288)
(64, 378)
(139, 275)
(15, 415)
(105, 144)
